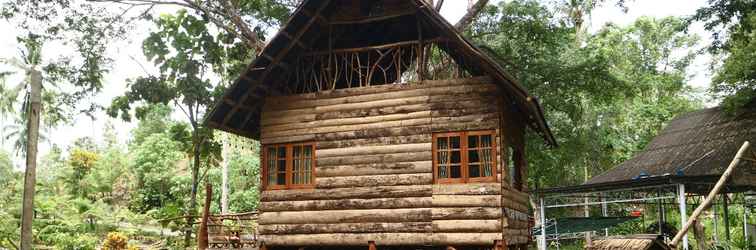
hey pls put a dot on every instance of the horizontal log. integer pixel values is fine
(402, 227)
(345, 204)
(347, 107)
(349, 135)
(347, 193)
(465, 239)
(467, 213)
(297, 126)
(374, 150)
(374, 180)
(442, 120)
(409, 167)
(490, 188)
(383, 158)
(349, 239)
(338, 93)
(467, 226)
(466, 200)
(346, 216)
(409, 91)
(465, 90)
(309, 117)
(374, 133)
(389, 140)
(464, 126)
(357, 127)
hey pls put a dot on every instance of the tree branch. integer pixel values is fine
(439, 4)
(471, 14)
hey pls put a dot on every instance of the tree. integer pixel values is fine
(733, 23)
(597, 96)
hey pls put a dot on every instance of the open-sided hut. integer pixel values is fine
(381, 123)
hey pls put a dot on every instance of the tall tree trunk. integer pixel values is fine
(30, 179)
(195, 184)
(226, 153)
(587, 209)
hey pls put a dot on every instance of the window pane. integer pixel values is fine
(454, 141)
(472, 141)
(443, 172)
(442, 143)
(456, 171)
(485, 141)
(282, 152)
(486, 158)
(474, 171)
(456, 157)
(271, 166)
(302, 164)
(281, 179)
(472, 156)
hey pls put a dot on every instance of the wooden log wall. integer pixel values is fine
(374, 177)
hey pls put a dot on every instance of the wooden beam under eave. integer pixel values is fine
(298, 42)
(281, 54)
(232, 130)
(374, 18)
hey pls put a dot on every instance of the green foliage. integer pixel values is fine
(154, 166)
(604, 98)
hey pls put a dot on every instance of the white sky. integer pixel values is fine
(129, 60)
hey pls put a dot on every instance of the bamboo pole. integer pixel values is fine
(711, 195)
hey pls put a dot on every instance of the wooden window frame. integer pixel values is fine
(289, 167)
(464, 164)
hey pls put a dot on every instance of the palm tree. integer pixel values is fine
(30, 63)
(16, 133)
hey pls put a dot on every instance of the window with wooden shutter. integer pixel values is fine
(461, 157)
(289, 166)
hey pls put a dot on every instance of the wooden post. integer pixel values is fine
(263, 246)
(450, 248)
(710, 197)
(500, 245)
(371, 245)
(726, 215)
(683, 214)
(202, 237)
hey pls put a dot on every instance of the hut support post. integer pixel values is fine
(716, 222)
(726, 217)
(683, 213)
(542, 240)
(604, 212)
(371, 245)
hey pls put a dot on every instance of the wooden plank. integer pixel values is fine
(467, 226)
(466, 213)
(348, 106)
(410, 167)
(468, 189)
(374, 180)
(380, 227)
(349, 239)
(388, 140)
(466, 200)
(346, 216)
(373, 150)
(337, 93)
(465, 239)
(295, 126)
(367, 159)
(344, 204)
(347, 193)
(347, 128)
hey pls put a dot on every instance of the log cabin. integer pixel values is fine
(382, 126)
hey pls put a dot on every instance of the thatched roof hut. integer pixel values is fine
(633, 242)
(693, 149)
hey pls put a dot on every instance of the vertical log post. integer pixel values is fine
(202, 238)
(726, 216)
(371, 245)
(683, 214)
